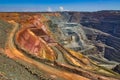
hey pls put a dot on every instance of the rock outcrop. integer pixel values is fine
(102, 29)
(41, 44)
(117, 68)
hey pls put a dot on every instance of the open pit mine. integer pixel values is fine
(59, 46)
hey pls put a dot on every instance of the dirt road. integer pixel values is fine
(15, 54)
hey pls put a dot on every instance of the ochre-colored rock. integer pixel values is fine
(34, 39)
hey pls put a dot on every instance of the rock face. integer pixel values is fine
(117, 68)
(72, 36)
(69, 34)
(31, 44)
(103, 33)
(105, 43)
(35, 40)
(106, 21)
(102, 29)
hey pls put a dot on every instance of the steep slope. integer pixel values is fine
(31, 44)
(102, 29)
